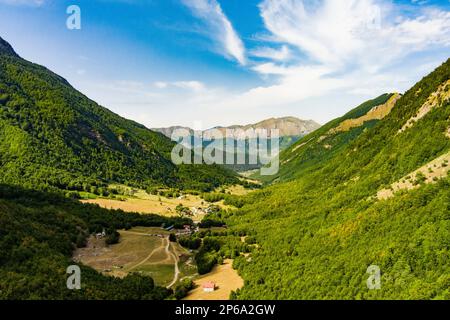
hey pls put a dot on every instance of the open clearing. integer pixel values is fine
(431, 172)
(226, 279)
(378, 113)
(145, 203)
(143, 250)
(237, 190)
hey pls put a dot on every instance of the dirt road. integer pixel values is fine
(175, 259)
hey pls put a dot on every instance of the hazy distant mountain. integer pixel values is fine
(291, 129)
(288, 127)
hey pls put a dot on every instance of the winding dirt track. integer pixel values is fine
(145, 260)
(175, 259)
(168, 253)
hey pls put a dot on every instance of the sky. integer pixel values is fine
(205, 63)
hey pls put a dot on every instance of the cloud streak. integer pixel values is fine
(219, 28)
(339, 45)
(340, 33)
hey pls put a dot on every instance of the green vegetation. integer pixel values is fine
(53, 137)
(311, 151)
(312, 235)
(183, 288)
(231, 200)
(318, 233)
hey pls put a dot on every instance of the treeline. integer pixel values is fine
(229, 199)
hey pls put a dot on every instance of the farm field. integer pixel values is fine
(226, 279)
(142, 250)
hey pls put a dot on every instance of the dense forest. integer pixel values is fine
(53, 137)
(319, 232)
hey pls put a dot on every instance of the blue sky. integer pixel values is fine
(223, 62)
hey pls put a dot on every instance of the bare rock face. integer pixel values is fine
(287, 126)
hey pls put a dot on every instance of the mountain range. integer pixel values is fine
(290, 130)
(287, 126)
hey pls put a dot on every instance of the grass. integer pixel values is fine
(226, 279)
(161, 273)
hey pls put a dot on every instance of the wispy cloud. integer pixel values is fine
(36, 3)
(353, 32)
(219, 28)
(339, 44)
(354, 47)
(281, 54)
(192, 85)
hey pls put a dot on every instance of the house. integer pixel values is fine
(101, 235)
(209, 286)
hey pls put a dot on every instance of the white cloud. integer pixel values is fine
(316, 60)
(296, 83)
(347, 45)
(362, 33)
(220, 27)
(190, 85)
(161, 84)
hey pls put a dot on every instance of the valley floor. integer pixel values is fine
(144, 203)
(144, 250)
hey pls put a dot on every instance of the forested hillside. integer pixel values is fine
(318, 233)
(55, 137)
(324, 143)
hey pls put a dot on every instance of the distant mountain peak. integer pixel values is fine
(6, 48)
(288, 126)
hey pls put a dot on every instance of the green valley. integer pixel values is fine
(368, 189)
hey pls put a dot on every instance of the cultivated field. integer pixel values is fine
(226, 279)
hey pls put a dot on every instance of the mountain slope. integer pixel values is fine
(318, 233)
(55, 136)
(327, 141)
